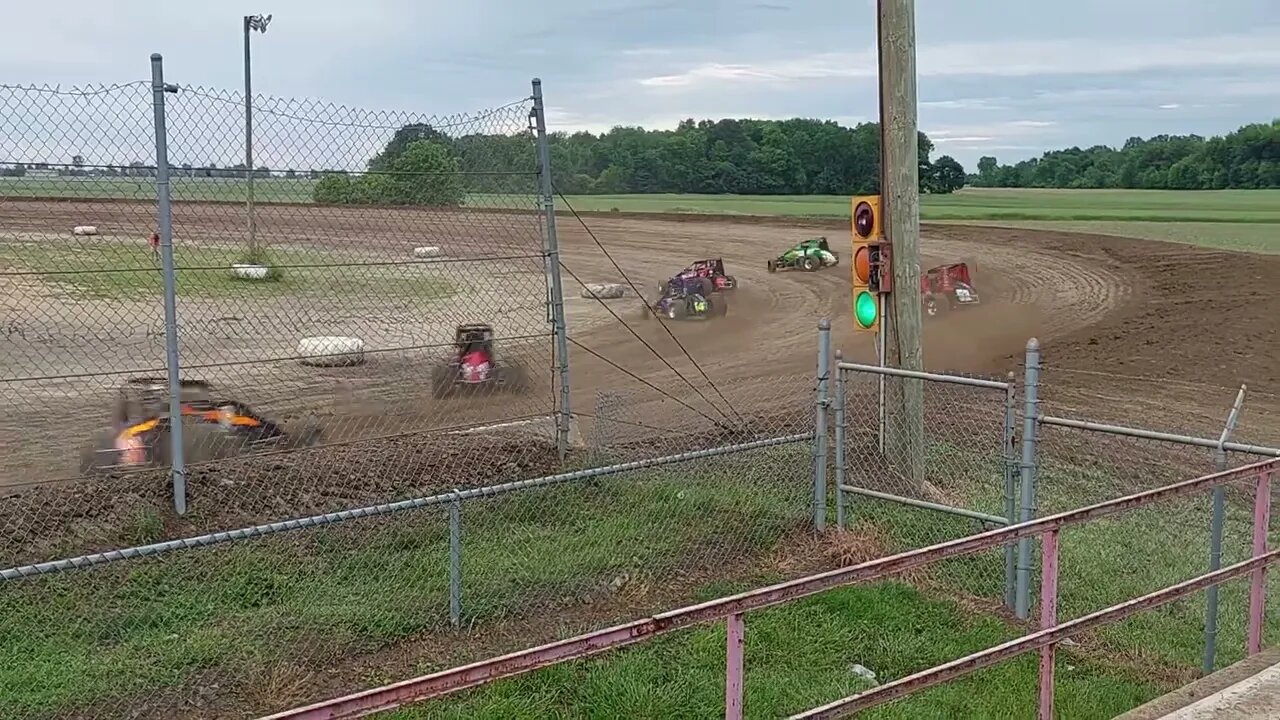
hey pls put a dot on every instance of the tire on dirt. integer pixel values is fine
(201, 442)
(515, 378)
(331, 351)
(250, 271)
(442, 376)
(603, 291)
(98, 454)
(809, 263)
(931, 306)
(772, 265)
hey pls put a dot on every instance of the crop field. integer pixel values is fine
(80, 313)
(1244, 220)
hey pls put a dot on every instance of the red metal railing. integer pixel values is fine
(732, 608)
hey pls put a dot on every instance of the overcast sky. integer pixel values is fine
(1009, 78)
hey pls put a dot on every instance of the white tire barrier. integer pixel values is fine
(330, 351)
(247, 271)
(603, 291)
(85, 230)
(426, 251)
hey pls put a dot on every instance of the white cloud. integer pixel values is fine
(990, 148)
(966, 104)
(987, 130)
(962, 139)
(1170, 106)
(817, 67)
(1015, 58)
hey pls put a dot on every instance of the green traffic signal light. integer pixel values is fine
(865, 309)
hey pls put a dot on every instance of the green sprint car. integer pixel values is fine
(812, 254)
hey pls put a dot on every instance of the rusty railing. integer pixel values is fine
(732, 608)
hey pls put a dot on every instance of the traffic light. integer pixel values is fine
(870, 262)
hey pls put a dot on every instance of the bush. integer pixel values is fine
(426, 173)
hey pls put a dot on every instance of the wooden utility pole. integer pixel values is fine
(900, 195)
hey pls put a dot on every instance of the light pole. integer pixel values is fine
(259, 23)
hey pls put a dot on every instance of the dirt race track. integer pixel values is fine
(1111, 305)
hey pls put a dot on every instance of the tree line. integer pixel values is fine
(421, 165)
(1248, 158)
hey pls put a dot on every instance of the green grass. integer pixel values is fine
(233, 613)
(799, 656)
(1218, 206)
(1240, 237)
(142, 188)
(128, 271)
(116, 632)
(1234, 206)
(1245, 220)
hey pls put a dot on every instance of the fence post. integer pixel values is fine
(1257, 580)
(1010, 492)
(164, 217)
(455, 560)
(603, 425)
(1031, 385)
(559, 327)
(1048, 619)
(820, 428)
(839, 407)
(1215, 537)
(735, 642)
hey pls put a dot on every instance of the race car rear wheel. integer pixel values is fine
(441, 381)
(515, 378)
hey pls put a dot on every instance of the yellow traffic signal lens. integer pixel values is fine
(864, 219)
(865, 309)
(862, 265)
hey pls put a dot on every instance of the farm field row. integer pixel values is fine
(1243, 220)
(1237, 206)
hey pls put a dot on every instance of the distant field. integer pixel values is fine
(1247, 220)
(1236, 206)
(1244, 237)
(143, 188)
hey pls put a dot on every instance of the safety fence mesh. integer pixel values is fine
(323, 288)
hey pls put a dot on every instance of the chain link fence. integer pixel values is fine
(234, 624)
(316, 291)
(394, 523)
(318, 298)
(966, 481)
(1091, 448)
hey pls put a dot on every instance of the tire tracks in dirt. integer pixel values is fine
(1085, 297)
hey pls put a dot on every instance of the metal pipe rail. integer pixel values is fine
(918, 375)
(1159, 436)
(332, 518)
(732, 608)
